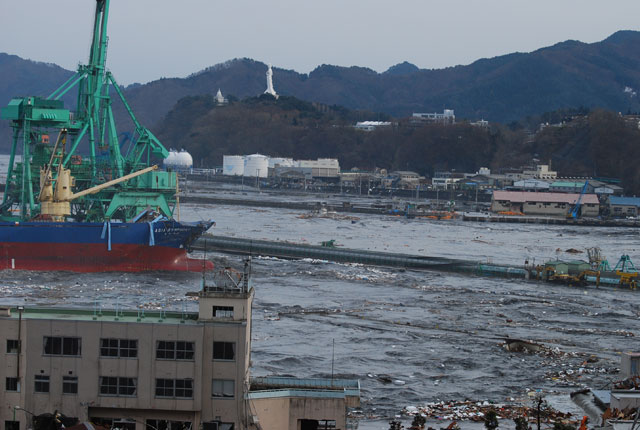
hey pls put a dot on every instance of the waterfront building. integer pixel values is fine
(624, 206)
(155, 370)
(543, 203)
(131, 369)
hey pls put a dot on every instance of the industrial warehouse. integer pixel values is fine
(559, 204)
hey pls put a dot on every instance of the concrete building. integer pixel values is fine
(446, 117)
(304, 404)
(541, 203)
(541, 171)
(567, 186)
(157, 370)
(322, 167)
(531, 185)
(445, 180)
(480, 123)
(371, 125)
(406, 179)
(602, 188)
(132, 369)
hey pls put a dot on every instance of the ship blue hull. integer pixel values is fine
(100, 247)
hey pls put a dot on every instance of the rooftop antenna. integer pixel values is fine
(203, 263)
(140, 312)
(184, 312)
(333, 356)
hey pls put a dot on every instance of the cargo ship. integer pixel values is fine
(100, 247)
(85, 201)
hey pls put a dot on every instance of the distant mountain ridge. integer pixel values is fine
(569, 74)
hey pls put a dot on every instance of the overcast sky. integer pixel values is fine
(149, 39)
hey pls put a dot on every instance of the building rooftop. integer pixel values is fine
(570, 184)
(524, 196)
(269, 394)
(315, 383)
(275, 386)
(630, 201)
(99, 314)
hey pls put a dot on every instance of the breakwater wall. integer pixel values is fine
(587, 222)
(288, 250)
(389, 210)
(304, 206)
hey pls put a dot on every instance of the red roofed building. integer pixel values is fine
(555, 204)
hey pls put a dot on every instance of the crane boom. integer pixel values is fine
(575, 211)
(108, 184)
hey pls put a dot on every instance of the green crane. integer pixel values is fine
(90, 147)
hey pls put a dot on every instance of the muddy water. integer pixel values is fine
(409, 336)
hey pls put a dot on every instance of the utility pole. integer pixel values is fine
(476, 197)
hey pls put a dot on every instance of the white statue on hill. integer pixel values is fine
(270, 89)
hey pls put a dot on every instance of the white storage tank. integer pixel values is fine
(233, 165)
(178, 160)
(256, 165)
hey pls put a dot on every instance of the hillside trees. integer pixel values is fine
(602, 144)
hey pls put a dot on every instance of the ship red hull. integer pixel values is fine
(93, 257)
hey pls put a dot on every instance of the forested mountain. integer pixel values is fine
(506, 88)
(570, 74)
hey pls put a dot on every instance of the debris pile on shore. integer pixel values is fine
(476, 410)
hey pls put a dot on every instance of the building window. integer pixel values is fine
(120, 348)
(69, 346)
(224, 351)
(217, 425)
(317, 424)
(12, 384)
(69, 385)
(13, 346)
(180, 388)
(41, 384)
(175, 350)
(114, 423)
(12, 425)
(117, 386)
(223, 311)
(223, 388)
(168, 425)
